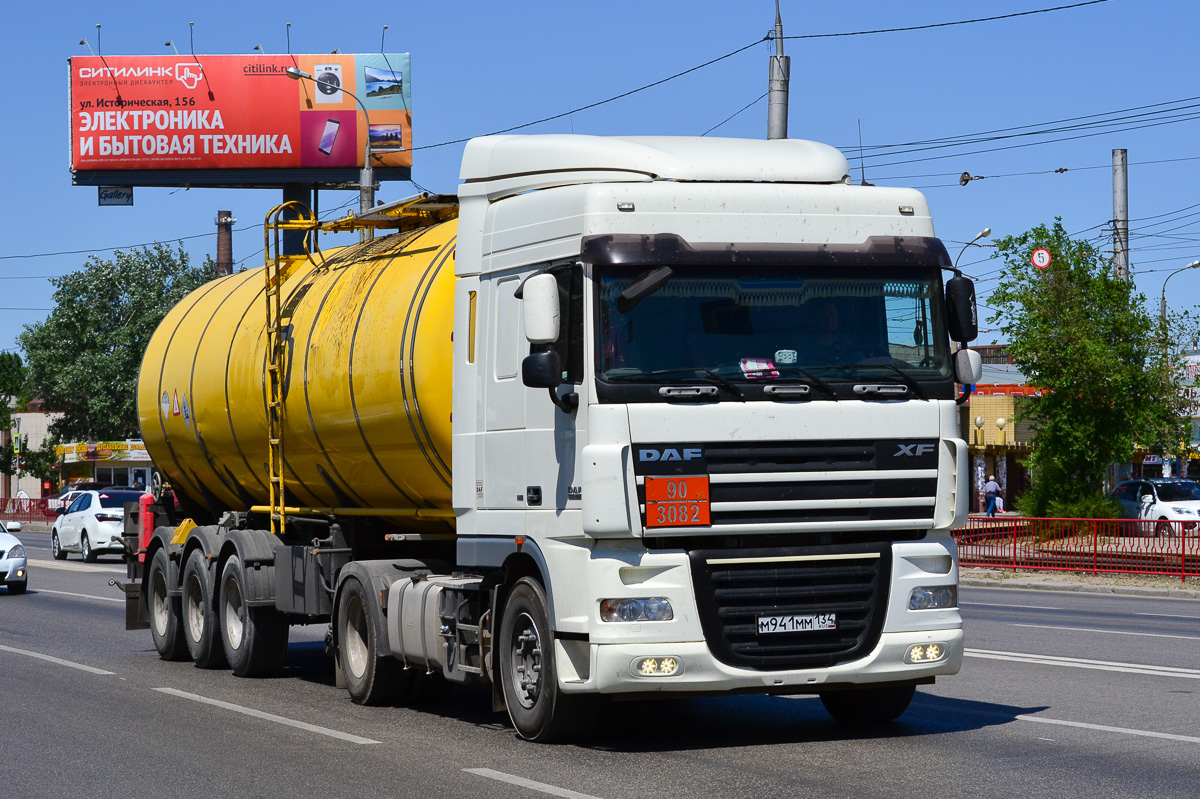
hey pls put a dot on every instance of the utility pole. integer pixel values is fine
(777, 99)
(1121, 213)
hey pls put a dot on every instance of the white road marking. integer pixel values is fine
(258, 714)
(59, 565)
(542, 787)
(1170, 615)
(59, 661)
(1105, 728)
(1007, 607)
(1109, 632)
(1081, 663)
(81, 596)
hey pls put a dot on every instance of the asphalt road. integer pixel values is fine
(1061, 695)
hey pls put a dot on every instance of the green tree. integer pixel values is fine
(12, 381)
(83, 360)
(1110, 381)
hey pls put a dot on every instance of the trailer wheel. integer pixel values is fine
(254, 638)
(166, 624)
(866, 707)
(372, 676)
(528, 677)
(200, 621)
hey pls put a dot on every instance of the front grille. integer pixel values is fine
(733, 591)
(789, 482)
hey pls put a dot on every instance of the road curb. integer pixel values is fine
(1082, 588)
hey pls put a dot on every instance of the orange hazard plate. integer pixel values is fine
(677, 501)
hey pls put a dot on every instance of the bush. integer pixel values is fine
(1092, 506)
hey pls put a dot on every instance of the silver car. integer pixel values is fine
(14, 568)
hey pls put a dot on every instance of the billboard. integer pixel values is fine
(238, 119)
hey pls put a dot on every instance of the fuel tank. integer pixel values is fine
(366, 381)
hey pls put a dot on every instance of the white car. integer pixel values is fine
(14, 568)
(1159, 501)
(92, 524)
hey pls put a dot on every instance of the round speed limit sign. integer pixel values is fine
(1041, 258)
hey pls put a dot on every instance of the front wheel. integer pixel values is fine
(200, 621)
(55, 547)
(539, 710)
(254, 638)
(17, 588)
(868, 707)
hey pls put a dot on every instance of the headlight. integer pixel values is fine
(1184, 511)
(939, 596)
(16, 552)
(652, 609)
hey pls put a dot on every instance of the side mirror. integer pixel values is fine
(968, 367)
(542, 369)
(59, 511)
(962, 312)
(1147, 499)
(539, 305)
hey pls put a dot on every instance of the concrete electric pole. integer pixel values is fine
(777, 99)
(1121, 213)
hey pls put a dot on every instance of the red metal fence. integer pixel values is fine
(1090, 545)
(28, 510)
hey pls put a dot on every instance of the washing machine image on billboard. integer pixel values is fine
(329, 83)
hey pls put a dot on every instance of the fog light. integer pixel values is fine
(933, 597)
(20, 572)
(925, 653)
(657, 666)
(652, 609)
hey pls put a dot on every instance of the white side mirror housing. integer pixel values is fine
(539, 305)
(968, 367)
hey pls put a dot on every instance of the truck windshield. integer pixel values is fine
(748, 326)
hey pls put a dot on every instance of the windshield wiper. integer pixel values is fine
(813, 379)
(700, 372)
(905, 378)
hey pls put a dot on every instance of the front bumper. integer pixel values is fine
(613, 668)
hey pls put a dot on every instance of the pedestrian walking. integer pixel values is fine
(991, 491)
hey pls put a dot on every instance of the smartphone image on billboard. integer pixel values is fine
(329, 136)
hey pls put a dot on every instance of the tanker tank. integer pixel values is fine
(366, 381)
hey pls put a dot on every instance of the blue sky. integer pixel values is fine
(478, 67)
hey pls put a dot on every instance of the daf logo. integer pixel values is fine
(651, 455)
(914, 450)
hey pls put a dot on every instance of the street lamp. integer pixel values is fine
(987, 231)
(1000, 423)
(366, 176)
(1163, 306)
(979, 430)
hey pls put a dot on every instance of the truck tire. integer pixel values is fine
(867, 707)
(373, 677)
(166, 622)
(254, 638)
(528, 676)
(200, 621)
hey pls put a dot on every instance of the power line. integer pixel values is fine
(734, 114)
(946, 24)
(112, 249)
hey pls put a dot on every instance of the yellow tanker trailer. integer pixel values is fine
(365, 366)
